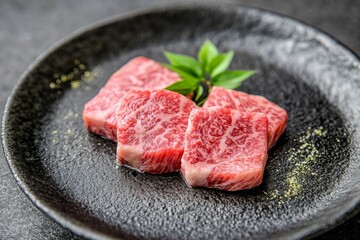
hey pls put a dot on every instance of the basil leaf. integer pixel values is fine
(184, 87)
(184, 73)
(220, 63)
(207, 53)
(199, 92)
(210, 66)
(188, 62)
(231, 79)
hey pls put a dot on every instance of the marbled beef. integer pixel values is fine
(139, 73)
(151, 128)
(225, 149)
(244, 102)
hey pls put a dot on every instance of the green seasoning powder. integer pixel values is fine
(302, 159)
(78, 73)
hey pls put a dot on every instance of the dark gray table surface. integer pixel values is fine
(28, 28)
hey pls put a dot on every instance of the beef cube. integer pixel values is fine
(225, 149)
(244, 102)
(151, 128)
(99, 114)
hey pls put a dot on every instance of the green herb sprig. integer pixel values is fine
(209, 69)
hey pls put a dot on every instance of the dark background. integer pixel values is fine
(28, 28)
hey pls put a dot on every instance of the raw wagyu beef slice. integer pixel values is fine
(244, 102)
(151, 128)
(139, 73)
(225, 149)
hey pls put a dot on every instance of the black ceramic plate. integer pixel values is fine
(312, 177)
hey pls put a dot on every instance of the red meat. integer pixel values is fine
(244, 102)
(151, 128)
(139, 73)
(225, 149)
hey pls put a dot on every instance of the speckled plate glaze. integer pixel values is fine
(312, 177)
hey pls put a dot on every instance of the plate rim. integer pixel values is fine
(81, 229)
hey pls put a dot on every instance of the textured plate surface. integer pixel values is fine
(311, 180)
